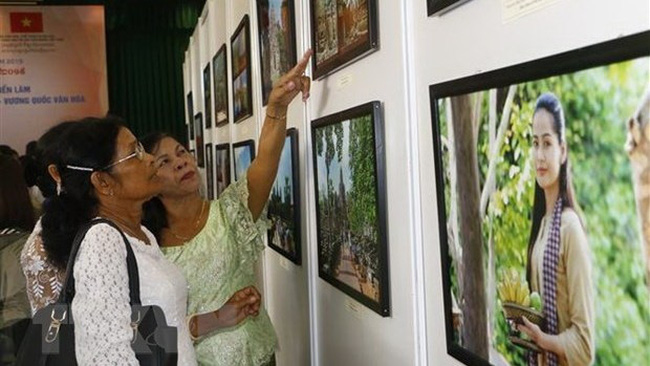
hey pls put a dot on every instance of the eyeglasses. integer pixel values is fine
(138, 153)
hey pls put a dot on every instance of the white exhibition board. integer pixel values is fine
(52, 68)
(474, 39)
(283, 285)
(415, 51)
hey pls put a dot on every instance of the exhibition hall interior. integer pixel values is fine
(325, 182)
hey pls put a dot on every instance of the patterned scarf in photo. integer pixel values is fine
(550, 262)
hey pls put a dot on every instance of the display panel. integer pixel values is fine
(209, 171)
(277, 35)
(349, 169)
(220, 75)
(222, 158)
(342, 32)
(207, 96)
(573, 126)
(241, 71)
(198, 127)
(284, 204)
(244, 154)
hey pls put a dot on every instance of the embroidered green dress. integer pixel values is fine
(216, 263)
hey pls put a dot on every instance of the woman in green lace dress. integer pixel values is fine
(216, 244)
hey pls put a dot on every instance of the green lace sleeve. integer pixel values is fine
(248, 234)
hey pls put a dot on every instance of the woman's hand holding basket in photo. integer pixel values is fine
(517, 302)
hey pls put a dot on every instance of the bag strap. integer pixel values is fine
(68, 290)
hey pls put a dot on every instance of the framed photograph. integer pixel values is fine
(284, 204)
(277, 34)
(209, 169)
(222, 157)
(349, 169)
(572, 128)
(198, 127)
(244, 154)
(240, 46)
(342, 32)
(220, 76)
(207, 96)
(190, 115)
(439, 7)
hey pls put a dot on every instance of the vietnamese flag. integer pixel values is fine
(26, 22)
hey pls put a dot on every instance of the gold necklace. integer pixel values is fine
(196, 225)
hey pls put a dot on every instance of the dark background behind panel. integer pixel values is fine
(145, 48)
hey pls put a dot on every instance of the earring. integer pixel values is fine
(59, 188)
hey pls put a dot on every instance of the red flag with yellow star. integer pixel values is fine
(26, 22)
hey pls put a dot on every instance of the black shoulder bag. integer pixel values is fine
(50, 337)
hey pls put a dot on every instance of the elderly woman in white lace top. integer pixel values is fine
(105, 173)
(75, 196)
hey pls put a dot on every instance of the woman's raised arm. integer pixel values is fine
(264, 168)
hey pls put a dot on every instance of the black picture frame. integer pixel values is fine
(220, 81)
(240, 48)
(222, 165)
(198, 127)
(328, 26)
(209, 171)
(243, 154)
(541, 70)
(356, 168)
(277, 41)
(439, 7)
(207, 96)
(284, 203)
(190, 115)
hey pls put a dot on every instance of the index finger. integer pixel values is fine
(300, 67)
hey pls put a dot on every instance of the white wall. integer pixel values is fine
(287, 285)
(284, 285)
(346, 332)
(316, 323)
(480, 43)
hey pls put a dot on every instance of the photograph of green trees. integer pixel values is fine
(349, 169)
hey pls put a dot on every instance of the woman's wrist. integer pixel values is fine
(549, 343)
(202, 324)
(218, 324)
(276, 111)
(541, 341)
(192, 327)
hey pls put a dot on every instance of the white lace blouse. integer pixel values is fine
(100, 308)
